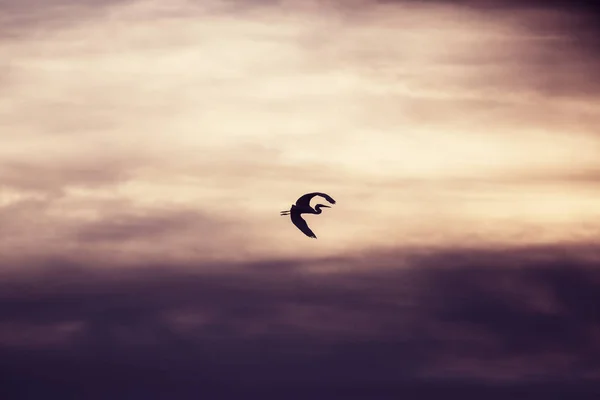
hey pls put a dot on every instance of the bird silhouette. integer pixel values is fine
(302, 206)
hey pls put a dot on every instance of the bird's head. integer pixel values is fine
(318, 207)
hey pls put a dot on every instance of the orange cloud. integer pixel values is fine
(427, 122)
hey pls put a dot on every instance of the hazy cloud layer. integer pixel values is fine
(427, 120)
(483, 317)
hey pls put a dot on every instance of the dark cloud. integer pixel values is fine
(580, 18)
(144, 225)
(84, 230)
(587, 6)
(31, 17)
(26, 17)
(579, 5)
(53, 177)
(273, 328)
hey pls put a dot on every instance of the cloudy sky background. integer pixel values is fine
(146, 148)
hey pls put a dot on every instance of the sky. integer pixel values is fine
(147, 147)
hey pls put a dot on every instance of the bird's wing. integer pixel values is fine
(302, 225)
(305, 200)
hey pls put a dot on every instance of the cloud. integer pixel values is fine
(147, 148)
(224, 109)
(477, 316)
(108, 232)
(57, 176)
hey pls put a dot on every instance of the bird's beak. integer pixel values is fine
(326, 206)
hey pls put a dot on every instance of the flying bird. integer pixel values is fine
(302, 206)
